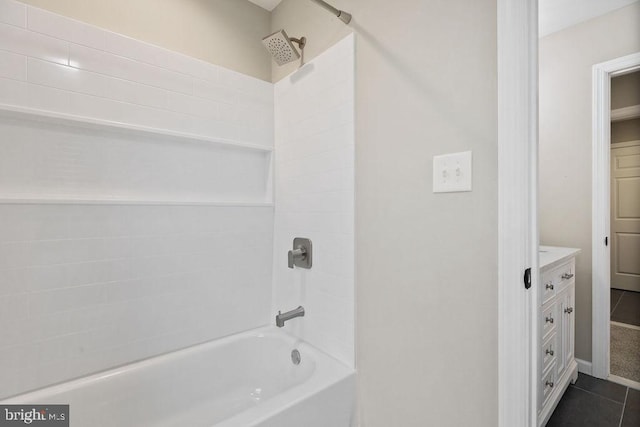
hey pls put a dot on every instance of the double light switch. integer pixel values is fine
(452, 172)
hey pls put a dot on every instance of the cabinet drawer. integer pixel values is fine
(549, 351)
(560, 277)
(548, 319)
(548, 289)
(547, 384)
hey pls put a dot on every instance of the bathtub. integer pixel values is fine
(244, 380)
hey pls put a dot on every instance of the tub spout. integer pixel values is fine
(283, 317)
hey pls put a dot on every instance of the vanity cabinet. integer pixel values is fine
(556, 332)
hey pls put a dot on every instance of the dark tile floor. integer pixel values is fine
(591, 402)
(625, 307)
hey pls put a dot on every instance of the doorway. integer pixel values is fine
(625, 227)
(615, 240)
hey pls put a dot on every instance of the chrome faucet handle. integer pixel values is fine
(299, 252)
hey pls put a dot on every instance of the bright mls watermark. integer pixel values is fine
(34, 415)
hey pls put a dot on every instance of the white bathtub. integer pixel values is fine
(243, 380)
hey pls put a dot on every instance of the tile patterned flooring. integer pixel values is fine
(625, 307)
(592, 402)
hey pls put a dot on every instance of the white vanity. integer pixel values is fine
(556, 327)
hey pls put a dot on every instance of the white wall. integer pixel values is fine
(116, 245)
(566, 61)
(314, 194)
(426, 264)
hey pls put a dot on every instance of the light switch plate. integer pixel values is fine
(452, 172)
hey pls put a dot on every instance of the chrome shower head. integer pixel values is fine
(280, 46)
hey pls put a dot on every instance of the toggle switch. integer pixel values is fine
(452, 172)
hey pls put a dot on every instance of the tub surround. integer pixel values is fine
(112, 250)
(137, 180)
(87, 287)
(82, 159)
(222, 32)
(314, 187)
(54, 63)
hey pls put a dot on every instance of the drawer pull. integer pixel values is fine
(549, 383)
(549, 352)
(548, 319)
(566, 276)
(549, 286)
(568, 310)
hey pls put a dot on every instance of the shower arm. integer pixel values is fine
(302, 41)
(341, 14)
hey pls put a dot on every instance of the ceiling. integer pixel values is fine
(266, 4)
(556, 15)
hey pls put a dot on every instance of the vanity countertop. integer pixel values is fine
(550, 256)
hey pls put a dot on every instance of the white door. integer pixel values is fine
(625, 216)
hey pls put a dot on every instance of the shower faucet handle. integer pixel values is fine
(300, 255)
(295, 254)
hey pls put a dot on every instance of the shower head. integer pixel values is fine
(280, 46)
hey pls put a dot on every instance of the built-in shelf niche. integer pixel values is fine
(48, 157)
(626, 113)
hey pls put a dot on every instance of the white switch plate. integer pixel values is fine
(452, 172)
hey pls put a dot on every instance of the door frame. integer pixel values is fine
(517, 38)
(601, 221)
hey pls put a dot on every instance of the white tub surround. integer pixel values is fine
(133, 182)
(50, 62)
(70, 158)
(137, 219)
(314, 186)
(556, 319)
(86, 287)
(246, 380)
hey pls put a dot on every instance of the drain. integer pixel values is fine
(295, 357)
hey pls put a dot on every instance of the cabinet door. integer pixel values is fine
(568, 326)
(563, 305)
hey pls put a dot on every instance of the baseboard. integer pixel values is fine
(584, 367)
(625, 325)
(625, 382)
